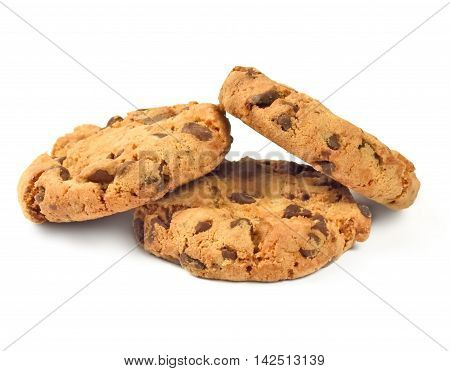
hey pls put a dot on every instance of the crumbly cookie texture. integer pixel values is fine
(254, 221)
(304, 127)
(94, 172)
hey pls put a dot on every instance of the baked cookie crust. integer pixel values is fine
(94, 172)
(332, 145)
(254, 221)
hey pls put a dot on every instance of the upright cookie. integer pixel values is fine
(254, 221)
(304, 127)
(95, 172)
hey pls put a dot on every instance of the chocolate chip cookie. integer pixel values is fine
(254, 221)
(94, 172)
(304, 127)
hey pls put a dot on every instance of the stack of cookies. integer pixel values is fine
(248, 220)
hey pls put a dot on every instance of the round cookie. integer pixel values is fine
(253, 221)
(94, 172)
(304, 127)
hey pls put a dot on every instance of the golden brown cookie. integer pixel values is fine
(94, 172)
(304, 127)
(254, 221)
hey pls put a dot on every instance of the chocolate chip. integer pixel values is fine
(295, 210)
(228, 253)
(284, 121)
(159, 221)
(327, 167)
(294, 107)
(363, 144)
(333, 142)
(113, 156)
(286, 167)
(242, 198)
(375, 154)
(119, 152)
(377, 157)
(162, 116)
(100, 176)
(201, 132)
(188, 260)
(124, 167)
(113, 120)
(289, 196)
(155, 221)
(138, 226)
(305, 197)
(160, 135)
(315, 237)
(61, 159)
(240, 221)
(321, 224)
(263, 100)
(365, 210)
(202, 227)
(39, 197)
(64, 173)
(308, 253)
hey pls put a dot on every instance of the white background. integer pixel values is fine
(167, 52)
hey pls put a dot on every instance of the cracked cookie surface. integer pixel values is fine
(94, 172)
(253, 220)
(304, 127)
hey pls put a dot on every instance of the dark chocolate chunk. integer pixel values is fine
(101, 176)
(375, 154)
(284, 121)
(287, 167)
(289, 196)
(113, 120)
(315, 237)
(202, 227)
(201, 132)
(305, 197)
(333, 142)
(240, 221)
(156, 220)
(263, 100)
(138, 226)
(306, 253)
(321, 224)
(185, 259)
(162, 116)
(64, 173)
(295, 210)
(39, 197)
(228, 253)
(124, 167)
(242, 198)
